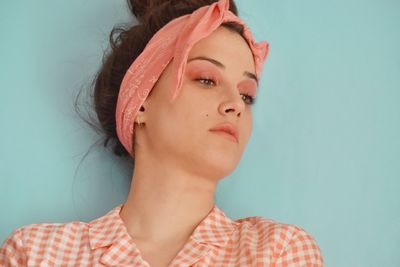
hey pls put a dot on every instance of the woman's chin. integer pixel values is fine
(219, 164)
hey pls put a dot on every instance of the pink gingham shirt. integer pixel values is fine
(216, 241)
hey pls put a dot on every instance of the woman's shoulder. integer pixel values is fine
(270, 228)
(30, 241)
(286, 243)
(34, 231)
(38, 233)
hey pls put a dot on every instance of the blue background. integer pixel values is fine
(325, 150)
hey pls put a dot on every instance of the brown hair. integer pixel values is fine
(127, 42)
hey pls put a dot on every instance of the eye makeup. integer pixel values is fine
(202, 70)
(248, 87)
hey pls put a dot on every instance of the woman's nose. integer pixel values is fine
(233, 105)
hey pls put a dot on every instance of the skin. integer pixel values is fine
(178, 161)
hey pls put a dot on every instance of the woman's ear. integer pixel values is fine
(140, 116)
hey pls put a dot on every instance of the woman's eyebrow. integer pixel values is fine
(222, 66)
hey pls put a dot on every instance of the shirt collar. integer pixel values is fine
(214, 230)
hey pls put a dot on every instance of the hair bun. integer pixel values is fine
(138, 8)
(143, 8)
(147, 10)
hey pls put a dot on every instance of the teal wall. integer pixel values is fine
(324, 154)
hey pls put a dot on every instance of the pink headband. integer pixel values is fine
(174, 40)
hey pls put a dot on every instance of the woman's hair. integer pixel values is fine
(127, 42)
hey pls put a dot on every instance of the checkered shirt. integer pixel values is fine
(217, 241)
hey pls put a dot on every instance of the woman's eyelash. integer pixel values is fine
(248, 99)
(206, 81)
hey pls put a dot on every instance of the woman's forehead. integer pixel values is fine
(226, 47)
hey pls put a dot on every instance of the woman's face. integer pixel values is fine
(216, 84)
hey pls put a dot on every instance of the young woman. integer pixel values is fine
(176, 96)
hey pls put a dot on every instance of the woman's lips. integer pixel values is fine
(228, 135)
(227, 129)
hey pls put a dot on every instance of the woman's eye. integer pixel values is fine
(248, 99)
(206, 81)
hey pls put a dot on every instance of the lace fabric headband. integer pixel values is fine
(173, 41)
